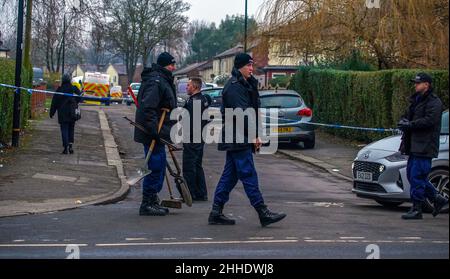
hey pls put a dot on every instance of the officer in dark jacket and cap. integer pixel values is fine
(421, 125)
(240, 92)
(157, 92)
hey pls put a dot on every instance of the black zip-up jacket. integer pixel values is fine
(240, 93)
(65, 105)
(424, 114)
(205, 102)
(157, 91)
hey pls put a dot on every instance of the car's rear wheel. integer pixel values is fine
(439, 179)
(309, 144)
(389, 204)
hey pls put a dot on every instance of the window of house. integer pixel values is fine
(285, 49)
(276, 75)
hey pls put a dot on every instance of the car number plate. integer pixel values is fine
(364, 176)
(283, 130)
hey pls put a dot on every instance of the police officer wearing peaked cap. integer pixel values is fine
(421, 125)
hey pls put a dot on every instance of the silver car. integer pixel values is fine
(293, 116)
(379, 171)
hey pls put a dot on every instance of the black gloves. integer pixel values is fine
(404, 125)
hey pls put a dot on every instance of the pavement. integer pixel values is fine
(37, 178)
(332, 154)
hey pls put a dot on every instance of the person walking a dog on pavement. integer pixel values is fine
(421, 125)
(240, 92)
(193, 149)
(157, 92)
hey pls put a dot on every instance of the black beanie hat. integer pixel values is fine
(241, 60)
(165, 59)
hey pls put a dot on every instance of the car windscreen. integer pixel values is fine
(281, 101)
(135, 87)
(444, 123)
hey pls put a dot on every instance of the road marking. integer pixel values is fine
(19, 240)
(169, 238)
(261, 238)
(41, 245)
(352, 237)
(410, 237)
(196, 243)
(292, 237)
(319, 204)
(201, 238)
(136, 239)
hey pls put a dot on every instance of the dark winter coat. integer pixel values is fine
(424, 114)
(240, 93)
(65, 105)
(205, 102)
(157, 91)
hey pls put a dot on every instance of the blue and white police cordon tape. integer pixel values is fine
(337, 126)
(290, 121)
(30, 91)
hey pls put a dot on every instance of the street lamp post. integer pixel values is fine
(64, 39)
(245, 31)
(16, 108)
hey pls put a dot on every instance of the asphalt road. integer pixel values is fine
(325, 220)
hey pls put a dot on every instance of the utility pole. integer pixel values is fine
(245, 32)
(16, 111)
(64, 39)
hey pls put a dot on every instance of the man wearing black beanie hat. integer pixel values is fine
(240, 92)
(157, 92)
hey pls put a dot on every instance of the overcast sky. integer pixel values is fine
(216, 10)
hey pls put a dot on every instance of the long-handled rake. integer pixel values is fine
(144, 171)
(179, 180)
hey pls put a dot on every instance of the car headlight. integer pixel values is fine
(397, 157)
(353, 166)
(382, 168)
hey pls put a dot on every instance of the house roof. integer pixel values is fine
(207, 65)
(121, 69)
(189, 68)
(91, 67)
(231, 52)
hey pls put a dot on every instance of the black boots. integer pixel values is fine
(267, 217)
(68, 149)
(216, 216)
(150, 207)
(439, 203)
(415, 213)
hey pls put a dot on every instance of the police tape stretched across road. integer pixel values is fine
(31, 91)
(293, 122)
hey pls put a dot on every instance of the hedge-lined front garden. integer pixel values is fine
(364, 99)
(7, 74)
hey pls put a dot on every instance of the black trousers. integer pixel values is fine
(193, 171)
(67, 133)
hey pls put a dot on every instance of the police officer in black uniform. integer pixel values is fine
(193, 148)
(157, 91)
(240, 92)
